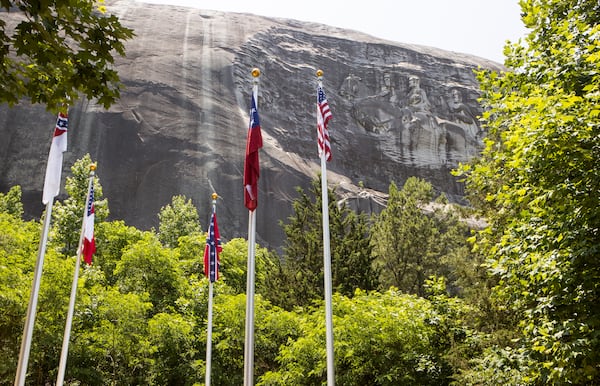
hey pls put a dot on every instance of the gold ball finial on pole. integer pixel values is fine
(255, 72)
(214, 196)
(319, 73)
(92, 167)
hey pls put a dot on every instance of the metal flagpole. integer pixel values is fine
(326, 261)
(210, 313)
(249, 340)
(65, 345)
(51, 189)
(209, 335)
(33, 298)
(249, 344)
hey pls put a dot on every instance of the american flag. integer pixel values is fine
(89, 243)
(323, 117)
(212, 249)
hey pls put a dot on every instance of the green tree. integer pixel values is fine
(403, 237)
(191, 254)
(234, 266)
(67, 215)
(179, 218)
(380, 339)
(55, 288)
(54, 50)
(537, 184)
(170, 335)
(112, 239)
(414, 238)
(110, 344)
(300, 275)
(18, 246)
(10, 202)
(148, 267)
(274, 327)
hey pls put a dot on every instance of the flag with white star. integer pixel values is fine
(212, 249)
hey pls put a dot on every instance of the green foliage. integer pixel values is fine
(413, 239)
(273, 328)
(111, 344)
(60, 49)
(173, 344)
(146, 267)
(140, 318)
(112, 239)
(496, 366)
(53, 300)
(300, 276)
(537, 183)
(18, 245)
(234, 266)
(10, 202)
(380, 339)
(67, 215)
(177, 219)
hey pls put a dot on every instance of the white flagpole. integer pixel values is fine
(67, 336)
(210, 315)
(327, 262)
(209, 334)
(47, 198)
(249, 340)
(33, 298)
(249, 344)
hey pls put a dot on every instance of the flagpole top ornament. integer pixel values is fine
(319, 73)
(92, 167)
(255, 72)
(214, 196)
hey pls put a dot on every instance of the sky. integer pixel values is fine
(478, 27)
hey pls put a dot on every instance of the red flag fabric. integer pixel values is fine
(323, 117)
(251, 166)
(212, 261)
(88, 247)
(55, 159)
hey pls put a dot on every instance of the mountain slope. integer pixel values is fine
(180, 127)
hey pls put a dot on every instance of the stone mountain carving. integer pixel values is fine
(180, 126)
(413, 130)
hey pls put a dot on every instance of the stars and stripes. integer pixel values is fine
(88, 247)
(323, 117)
(212, 250)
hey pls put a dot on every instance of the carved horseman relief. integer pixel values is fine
(418, 127)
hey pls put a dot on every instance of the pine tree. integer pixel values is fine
(414, 239)
(300, 276)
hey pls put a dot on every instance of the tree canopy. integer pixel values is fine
(300, 275)
(537, 184)
(58, 50)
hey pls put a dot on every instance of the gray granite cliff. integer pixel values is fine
(180, 126)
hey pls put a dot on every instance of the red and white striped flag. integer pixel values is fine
(88, 246)
(323, 117)
(55, 159)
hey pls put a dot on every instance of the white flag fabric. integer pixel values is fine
(55, 159)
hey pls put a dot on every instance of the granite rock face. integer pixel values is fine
(180, 126)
